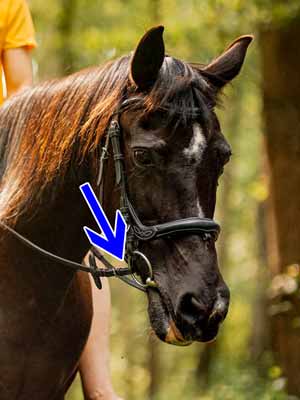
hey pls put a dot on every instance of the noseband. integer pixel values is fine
(137, 232)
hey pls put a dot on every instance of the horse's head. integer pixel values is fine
(175, 153)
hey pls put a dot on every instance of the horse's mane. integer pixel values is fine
(45, 128)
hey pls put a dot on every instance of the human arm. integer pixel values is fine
(94, 362)
(17, 67)
(17, 43)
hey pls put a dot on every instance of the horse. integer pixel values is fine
(173, 155)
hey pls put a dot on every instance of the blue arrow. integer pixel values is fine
(111, 241)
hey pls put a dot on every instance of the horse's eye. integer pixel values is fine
(142, 158)
(223, 156)
(224, 153)
(226, 156)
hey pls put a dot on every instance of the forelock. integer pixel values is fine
(182, 92)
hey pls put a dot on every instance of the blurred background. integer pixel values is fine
(257, 353)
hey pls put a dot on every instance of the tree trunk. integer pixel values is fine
(65, 28)
(260, 335)
(280, 55)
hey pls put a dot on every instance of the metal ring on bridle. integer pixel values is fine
(150, 282)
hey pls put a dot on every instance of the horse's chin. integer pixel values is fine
(163, 325)
(175, 337)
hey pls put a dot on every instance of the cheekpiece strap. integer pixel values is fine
(103, 158)
(114, 134)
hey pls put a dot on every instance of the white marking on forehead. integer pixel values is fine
(197, 143)
(195, 150)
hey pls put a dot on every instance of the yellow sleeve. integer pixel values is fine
(19, 26)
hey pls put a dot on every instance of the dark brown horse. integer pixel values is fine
(174, 154)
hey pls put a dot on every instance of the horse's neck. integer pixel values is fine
(46, 306)
(57, 227)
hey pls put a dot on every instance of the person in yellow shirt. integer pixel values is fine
(17, 39)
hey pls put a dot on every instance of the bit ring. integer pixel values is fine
(150, 282)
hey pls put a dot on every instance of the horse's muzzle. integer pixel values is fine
(195, 322)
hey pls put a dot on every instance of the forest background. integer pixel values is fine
(257, 353)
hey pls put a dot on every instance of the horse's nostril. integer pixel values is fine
(196, 303)
(219, 311)
(191, 310)
(199, 319)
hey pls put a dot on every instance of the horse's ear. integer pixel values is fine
(227, 66)
(148, 58)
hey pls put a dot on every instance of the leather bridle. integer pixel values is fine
(137, 231)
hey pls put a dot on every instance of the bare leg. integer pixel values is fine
(94, 362)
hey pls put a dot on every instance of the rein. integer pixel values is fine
(92, 269)
(137, 231)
